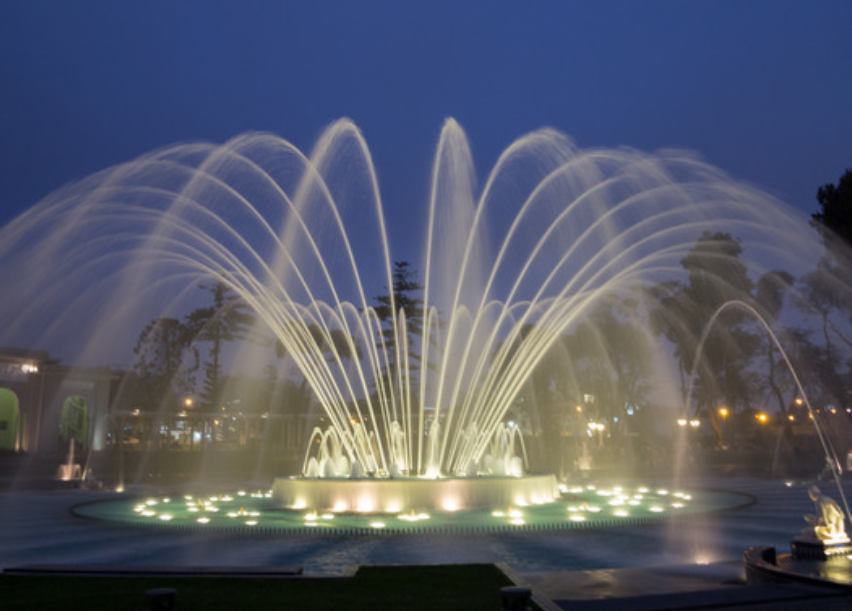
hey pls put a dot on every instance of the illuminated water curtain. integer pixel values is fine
(408, 391)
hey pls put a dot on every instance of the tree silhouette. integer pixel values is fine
(716, 275)
(835, 209)
(161, 350)
(825, 290)
(402, 298)
(227, 319)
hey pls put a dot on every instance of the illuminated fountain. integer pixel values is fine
(417, 399)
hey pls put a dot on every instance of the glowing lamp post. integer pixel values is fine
(723, 412)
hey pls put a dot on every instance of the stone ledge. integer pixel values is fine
(195, 571)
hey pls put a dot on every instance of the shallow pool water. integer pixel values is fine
(587, 506)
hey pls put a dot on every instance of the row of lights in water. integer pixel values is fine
(616, 500)
(201, 505)
(621, 501)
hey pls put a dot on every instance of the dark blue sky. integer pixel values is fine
(759, 88)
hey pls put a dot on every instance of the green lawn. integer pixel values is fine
(409, 588)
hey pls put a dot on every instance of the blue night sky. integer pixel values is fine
(760, 89)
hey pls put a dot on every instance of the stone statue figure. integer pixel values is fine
(827, 523)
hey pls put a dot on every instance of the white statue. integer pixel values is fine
(827, 523)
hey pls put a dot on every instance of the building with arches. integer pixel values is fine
(42, 400)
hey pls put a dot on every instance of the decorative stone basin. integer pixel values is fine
(395, 495)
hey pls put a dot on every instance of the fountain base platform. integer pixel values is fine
(395, 495)
(763, 566)
(811, 547)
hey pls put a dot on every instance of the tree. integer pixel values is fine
(770, 292)
(825, 290)
(716, 275)
(336, 341)
(227, 319)
(835, 209)
(161, 350)
(402, 298)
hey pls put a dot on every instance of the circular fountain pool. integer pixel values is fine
(244, 511)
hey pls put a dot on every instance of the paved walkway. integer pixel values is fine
(714, 586)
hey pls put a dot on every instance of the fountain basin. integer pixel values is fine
(580, 507)
(395, 495)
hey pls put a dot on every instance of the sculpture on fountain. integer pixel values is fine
(826, 534)
(827, 524)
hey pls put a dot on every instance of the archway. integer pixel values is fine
(74, 420)
(10, 417)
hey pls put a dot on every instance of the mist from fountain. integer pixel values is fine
(831, 458)
(302, 239)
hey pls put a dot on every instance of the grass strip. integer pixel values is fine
(411, 588)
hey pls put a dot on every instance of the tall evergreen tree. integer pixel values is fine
(403, 298)
(227, 319)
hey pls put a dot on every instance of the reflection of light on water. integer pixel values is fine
(413, 517)
(587, 504)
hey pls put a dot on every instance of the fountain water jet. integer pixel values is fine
(830, 455)
(555, 231)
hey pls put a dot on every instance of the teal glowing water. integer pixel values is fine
(245, 511)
